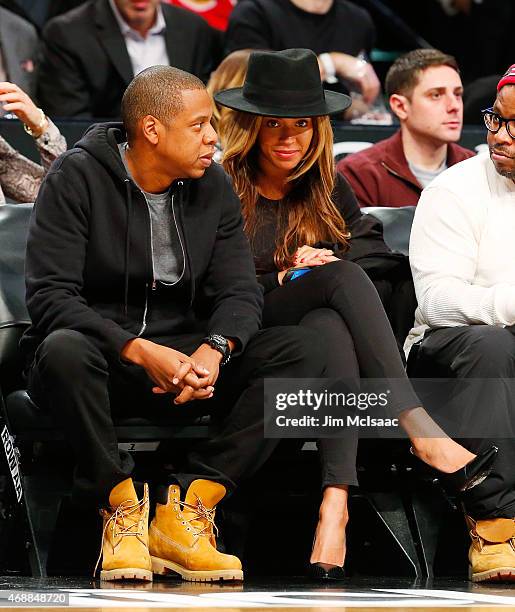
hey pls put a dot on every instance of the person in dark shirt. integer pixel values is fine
(336, 30)
(142, 295)
(300, 217)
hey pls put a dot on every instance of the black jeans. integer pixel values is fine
(339, 301)
(399, 301)
(73, 379)
(483, 352)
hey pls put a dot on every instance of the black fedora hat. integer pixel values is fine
(284, 84)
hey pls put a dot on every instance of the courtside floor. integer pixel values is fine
(256, 594)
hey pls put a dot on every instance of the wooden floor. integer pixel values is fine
(288, 609)
(360, 594)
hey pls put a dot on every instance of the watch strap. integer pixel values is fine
(220, 344)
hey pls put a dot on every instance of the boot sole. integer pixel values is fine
(164, 567)
(126, 573)
(500, 574)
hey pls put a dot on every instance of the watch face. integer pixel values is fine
(220, 340)
(220, 343)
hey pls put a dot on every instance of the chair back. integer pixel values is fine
(14, 318)
(397, 222)
(347, 147)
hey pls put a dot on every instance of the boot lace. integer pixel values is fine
(477, 540)
(203, 513)
(121, 524)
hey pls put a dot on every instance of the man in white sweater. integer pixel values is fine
(462, 254)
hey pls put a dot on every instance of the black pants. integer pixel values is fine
(399, 302)
(340, 302)
(482, 352)
(72, 378)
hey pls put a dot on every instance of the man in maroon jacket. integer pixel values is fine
(425, 92)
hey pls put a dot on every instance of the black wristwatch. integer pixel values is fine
(220, 344)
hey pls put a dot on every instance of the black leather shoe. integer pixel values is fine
(320, 574)
(470, 475)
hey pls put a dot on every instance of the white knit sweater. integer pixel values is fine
(462, 249)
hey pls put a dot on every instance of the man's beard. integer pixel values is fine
(509, 174)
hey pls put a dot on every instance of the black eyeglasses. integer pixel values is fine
(494, 122)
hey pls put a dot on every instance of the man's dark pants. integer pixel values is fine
(478, 352)
(72, 378)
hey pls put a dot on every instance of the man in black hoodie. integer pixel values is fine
(140, 284)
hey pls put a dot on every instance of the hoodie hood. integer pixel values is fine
(101, 140)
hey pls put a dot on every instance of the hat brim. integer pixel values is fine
(333, 104)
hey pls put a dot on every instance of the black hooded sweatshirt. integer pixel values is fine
(89, 261)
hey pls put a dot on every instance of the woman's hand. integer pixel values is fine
(309, 256)
(15, 100)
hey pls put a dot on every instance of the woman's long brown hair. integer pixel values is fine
(310, 214)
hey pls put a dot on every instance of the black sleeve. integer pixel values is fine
(366, 245)
(54, 268)
(248, 29)
(268, 281)
(345, 200)
(230, 287)
(62, 89)
(369, 34)
(361, 26)
(348, 207)
(366, 232)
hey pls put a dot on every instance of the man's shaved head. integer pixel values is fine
(156, 91)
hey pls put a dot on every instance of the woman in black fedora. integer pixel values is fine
(301, 219)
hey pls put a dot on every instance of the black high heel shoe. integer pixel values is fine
(317, 572)
(471, 474)
(321, 574)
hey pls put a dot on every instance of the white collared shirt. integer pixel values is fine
(144, 52)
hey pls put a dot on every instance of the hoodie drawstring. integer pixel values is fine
(127, 245)
(180, 184)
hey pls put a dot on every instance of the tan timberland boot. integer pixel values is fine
(492, 552)
(182, 536)
(124, 551)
